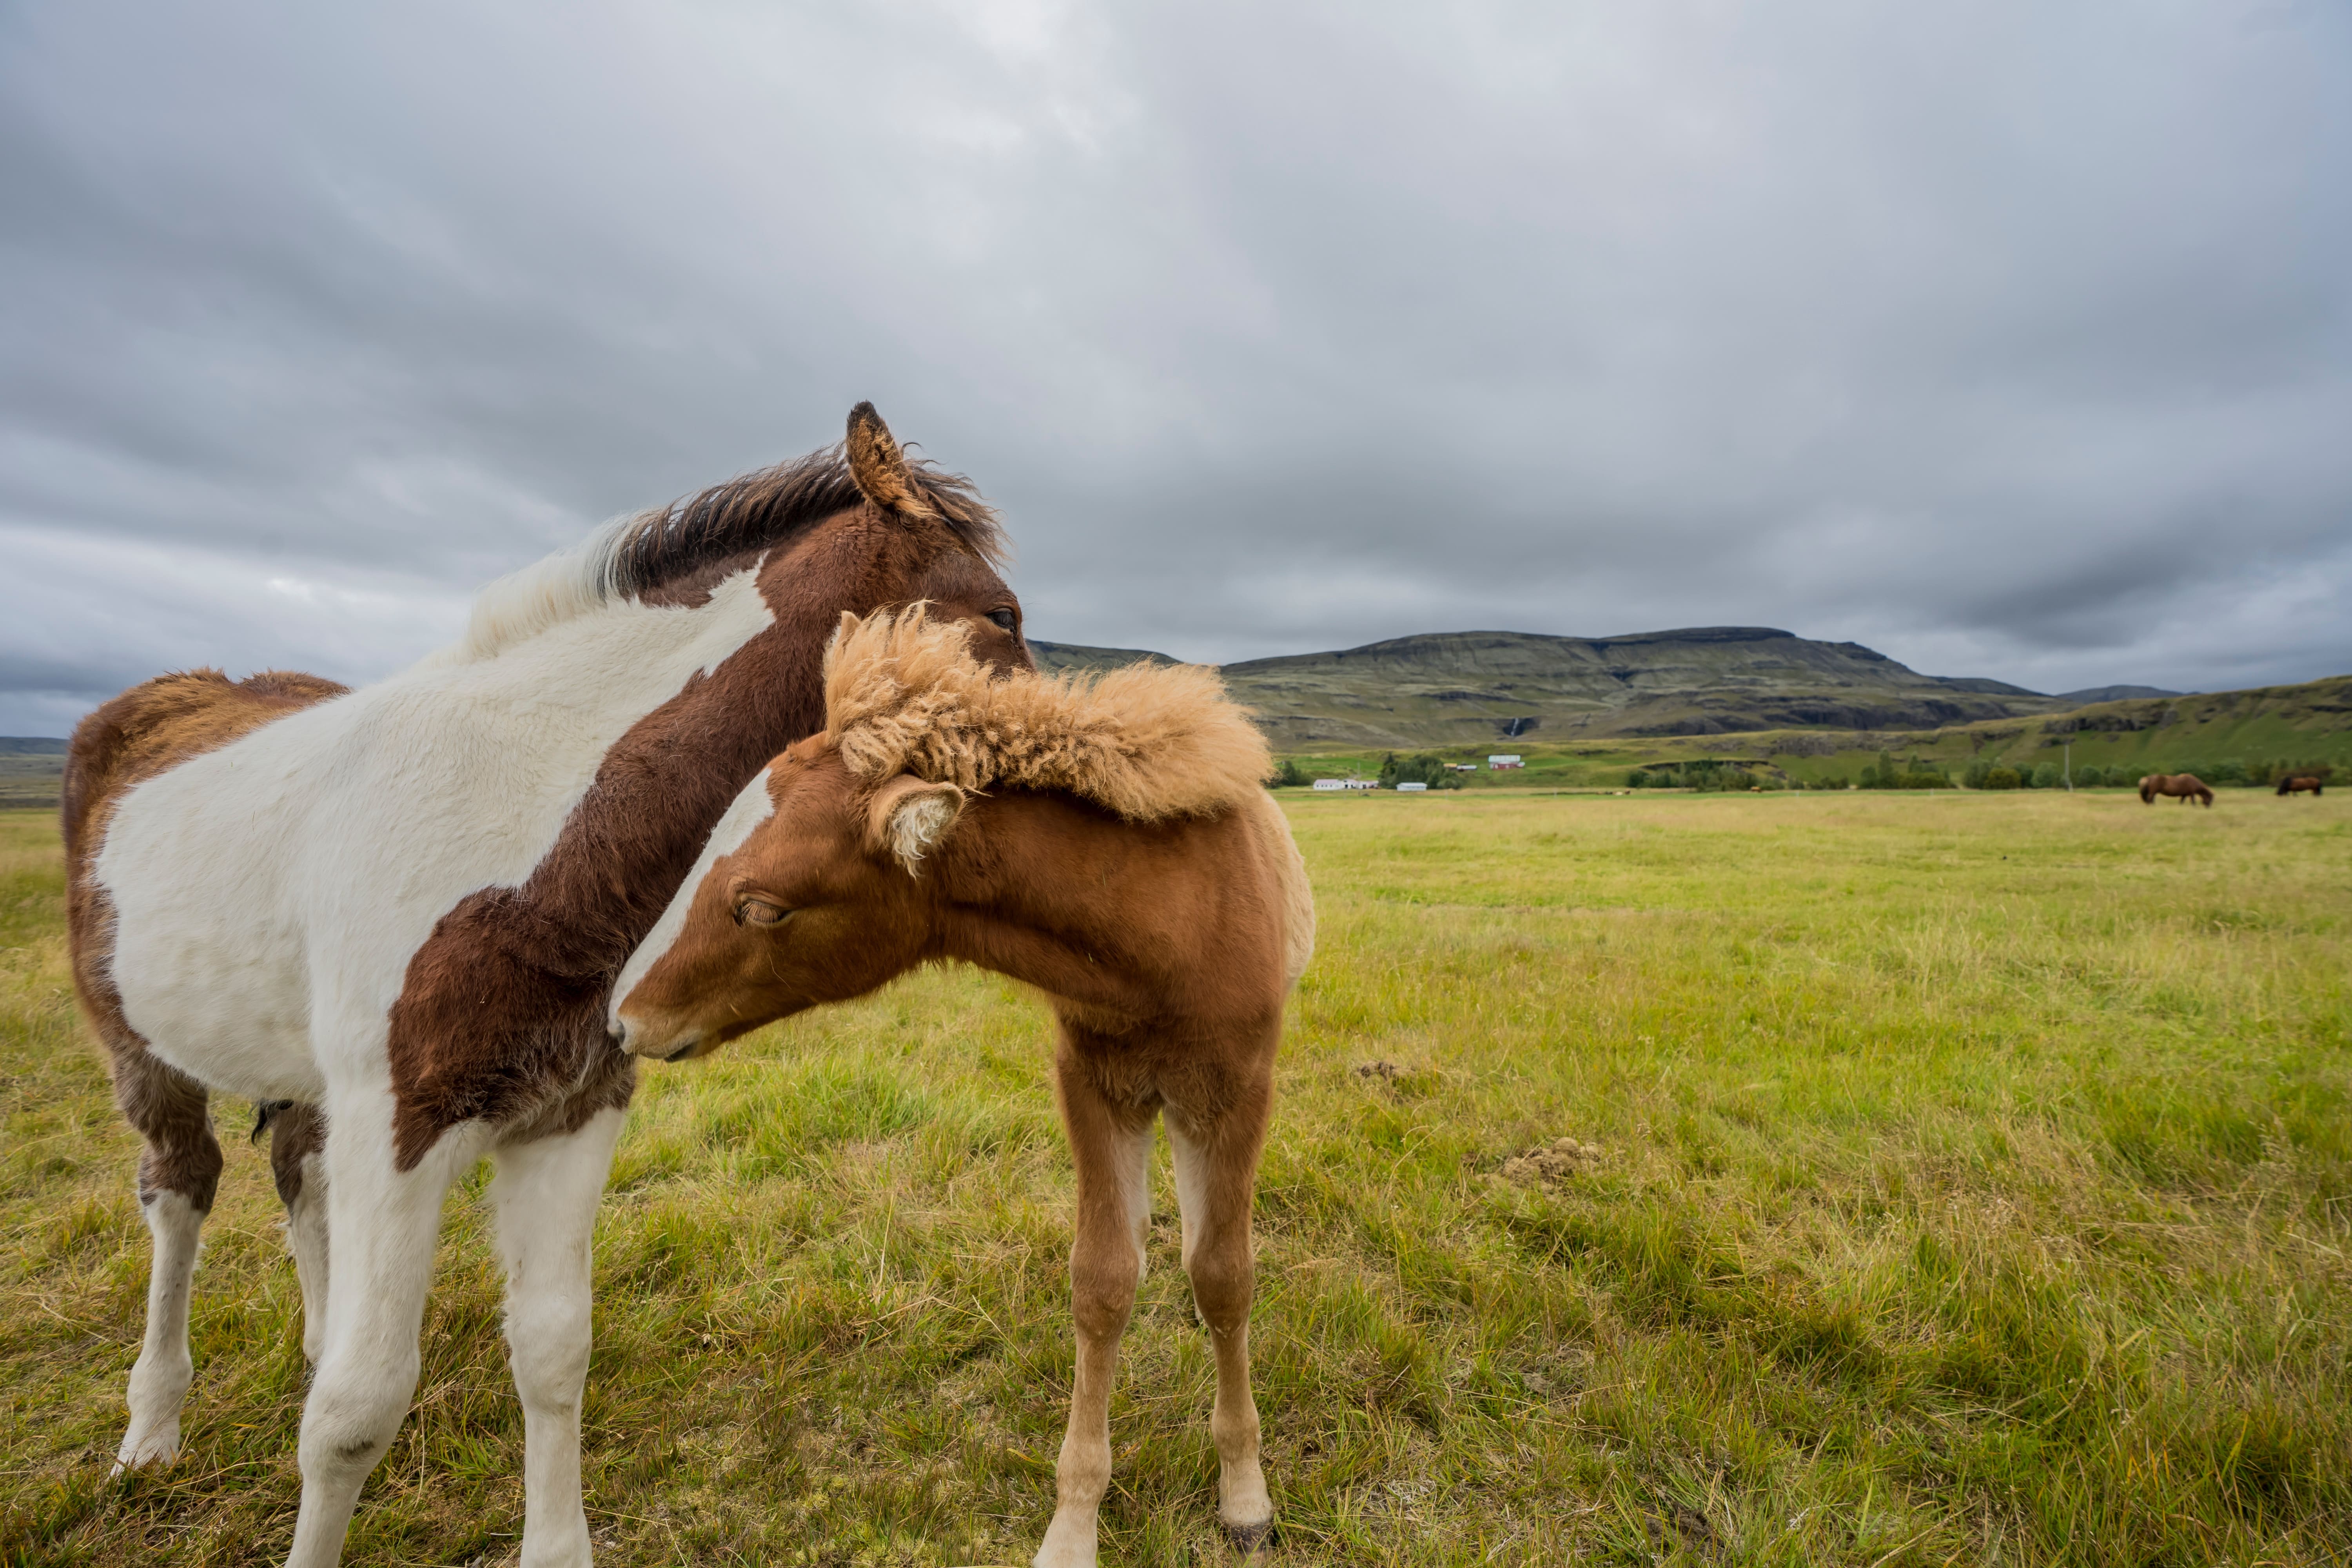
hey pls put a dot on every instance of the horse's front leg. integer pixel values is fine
(382, 1224)
(1111, 1148)
(1216, 1176)
(544, 1197)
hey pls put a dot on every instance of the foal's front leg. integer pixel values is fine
(382, 1224)
(545, 1197)
(1111, 1147)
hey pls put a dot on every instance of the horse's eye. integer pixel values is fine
(1004, 619)
(759, 912)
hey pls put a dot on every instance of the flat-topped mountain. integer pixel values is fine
(1467, 688)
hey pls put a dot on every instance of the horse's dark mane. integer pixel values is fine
(773, 505)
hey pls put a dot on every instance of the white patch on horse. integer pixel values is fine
(750, 809)
(271, 893)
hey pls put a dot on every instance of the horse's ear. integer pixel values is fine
(910, 815)
(880, 467)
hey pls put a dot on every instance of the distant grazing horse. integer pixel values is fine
(400, 908)
(2186, 787)
(1110, 846)
(2297, 783)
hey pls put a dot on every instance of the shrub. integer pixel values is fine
(1287, 776)
(1422, 767)
(2049, 776)
(1973, 775)
(2002, 778)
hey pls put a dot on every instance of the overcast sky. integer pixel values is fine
(2012, 339)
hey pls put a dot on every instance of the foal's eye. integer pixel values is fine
(759, 912)
(1002, 618)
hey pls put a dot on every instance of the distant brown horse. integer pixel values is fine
(1110, 845)
(2185, 787)
(2297, 783)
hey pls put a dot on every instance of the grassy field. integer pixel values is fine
(1873, 1180)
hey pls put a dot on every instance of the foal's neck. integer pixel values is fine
(1065, 896)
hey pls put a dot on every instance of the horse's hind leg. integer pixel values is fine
(297, 1163)
(178, 1172)
(1216, 1173)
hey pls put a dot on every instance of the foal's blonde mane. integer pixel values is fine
(904, 695)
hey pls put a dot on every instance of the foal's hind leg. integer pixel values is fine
(1216, 1174)
(298, 1163)
(1111, 1147)
(178, 1172)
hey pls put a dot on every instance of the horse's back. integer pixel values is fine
(161, 724)
(142, 736)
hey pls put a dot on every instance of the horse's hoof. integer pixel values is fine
(1249, 1539)
(158, 1447)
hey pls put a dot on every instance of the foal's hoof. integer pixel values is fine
(160, 1446)
(1249, 1539)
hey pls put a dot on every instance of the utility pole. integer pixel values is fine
(2070, 765)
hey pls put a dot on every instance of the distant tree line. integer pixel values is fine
(1422, 767)
(1982, 774)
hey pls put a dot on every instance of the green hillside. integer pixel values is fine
(2204, 735)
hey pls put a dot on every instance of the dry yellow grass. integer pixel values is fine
(1950, 1178)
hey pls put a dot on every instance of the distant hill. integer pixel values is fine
(31, 746)
(2116, 693)
(1463, 689)
(1467, 688)
(1060, 658)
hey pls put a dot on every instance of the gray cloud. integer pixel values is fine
(2011, 339)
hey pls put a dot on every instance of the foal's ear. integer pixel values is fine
(909, 816)
(880, 468)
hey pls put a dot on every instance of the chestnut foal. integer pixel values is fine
(1126, 862)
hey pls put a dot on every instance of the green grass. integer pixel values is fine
(1975, 1186)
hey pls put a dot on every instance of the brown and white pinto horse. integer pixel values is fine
(2184, 787)
(2298, 784)
(1110, 844)
(400, 909)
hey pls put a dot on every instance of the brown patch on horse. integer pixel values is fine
(148, 730)
(903, 695)
(297, 1131)
(501, 1015)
